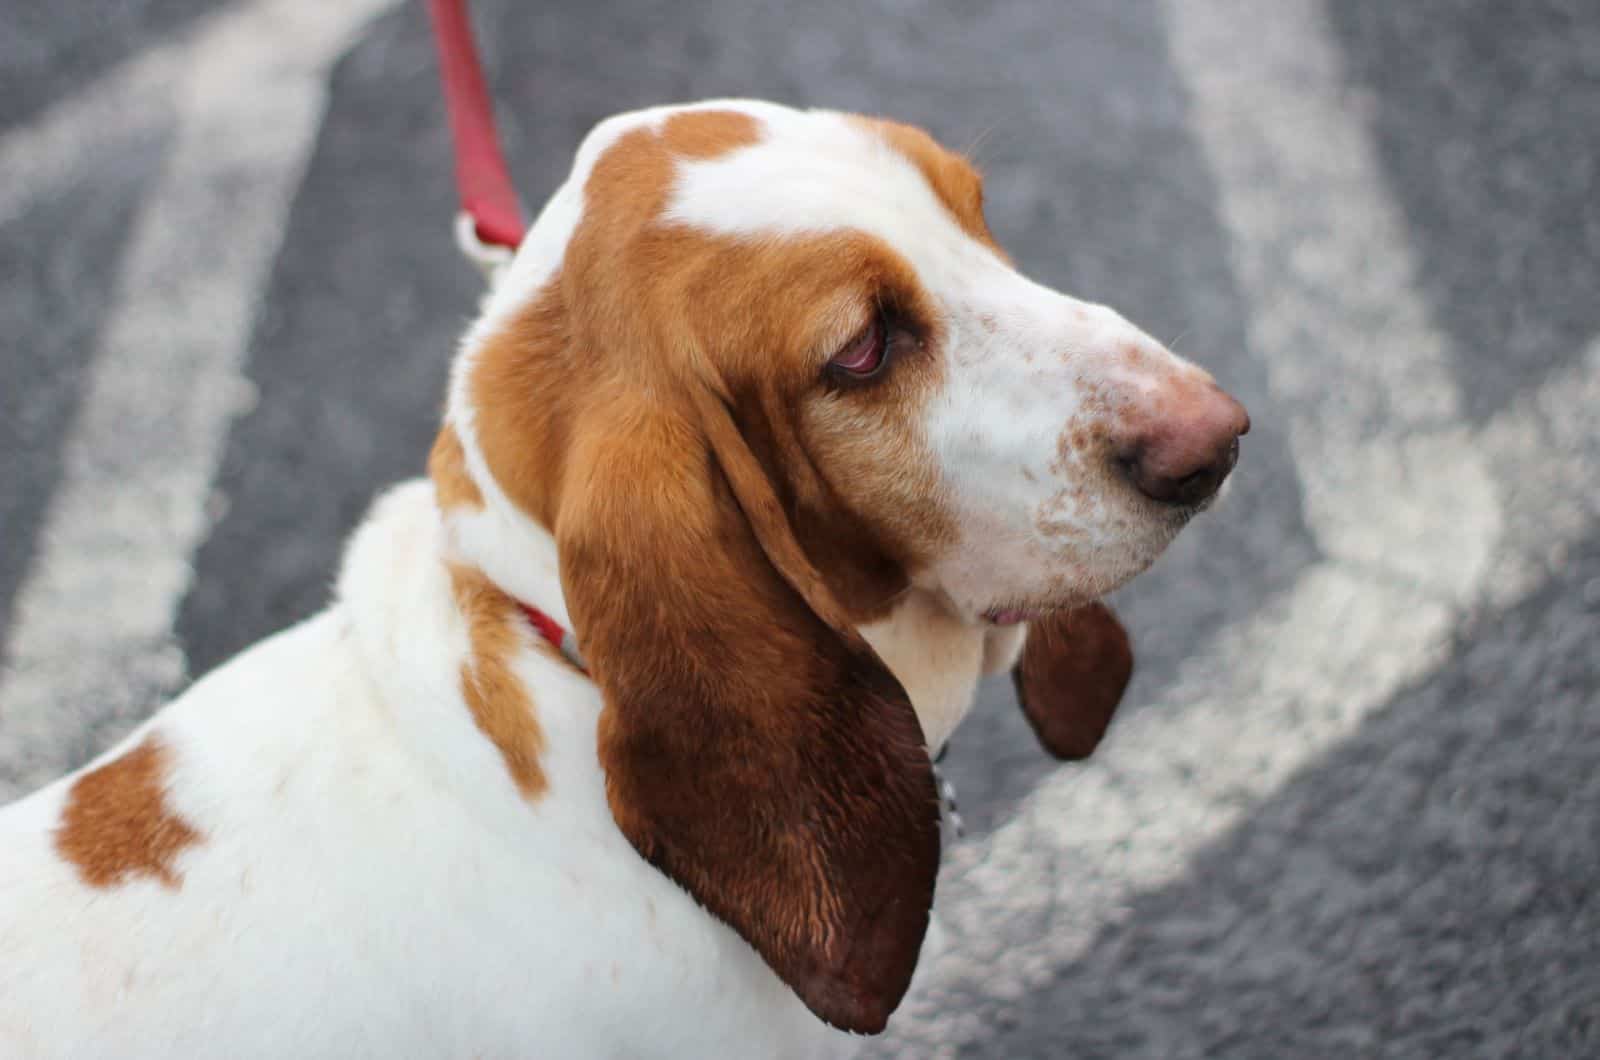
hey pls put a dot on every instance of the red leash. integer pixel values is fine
(482, 178)
(490, 212)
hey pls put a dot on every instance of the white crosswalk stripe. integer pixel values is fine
(91, 641)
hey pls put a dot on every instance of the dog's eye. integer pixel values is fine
(863, 356)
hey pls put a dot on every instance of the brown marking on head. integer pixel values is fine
(447, 466)
(721, 529)
(117, 825)
(709, 134)
(497, 698)
(1074, 668)
(527, 406)
(953, 178)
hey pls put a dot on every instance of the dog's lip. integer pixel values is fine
(1014, 614)
(1011, 616)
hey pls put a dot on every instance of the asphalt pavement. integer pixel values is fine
(1352, 804)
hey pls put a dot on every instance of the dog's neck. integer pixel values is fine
(485, 531)
(937, 657)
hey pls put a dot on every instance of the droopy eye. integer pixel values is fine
(863, 356)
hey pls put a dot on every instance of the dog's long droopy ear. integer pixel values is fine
(1074, 667)
(756, 750)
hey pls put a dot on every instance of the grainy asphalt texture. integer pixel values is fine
(1353, 804)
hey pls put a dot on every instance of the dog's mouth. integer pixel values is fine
(1011, 616)
(1015, 614)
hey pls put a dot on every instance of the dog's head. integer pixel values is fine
(760, 371)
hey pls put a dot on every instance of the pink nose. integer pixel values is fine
(1180, 451)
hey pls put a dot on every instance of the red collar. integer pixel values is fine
(559, 636)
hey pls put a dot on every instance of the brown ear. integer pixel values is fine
(1074, 667)
(758, 755)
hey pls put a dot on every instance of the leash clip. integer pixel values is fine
(491, 259)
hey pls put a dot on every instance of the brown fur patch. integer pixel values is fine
(116, 824)
(708, 134)
(952, 178)
(498, 699)
(447, 466)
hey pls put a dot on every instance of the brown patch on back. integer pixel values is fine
(447, 466)
(952, 177)
(498, 699)
(117, 825)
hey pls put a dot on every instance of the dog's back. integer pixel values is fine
(272, 867)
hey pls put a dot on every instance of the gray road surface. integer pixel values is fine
(1353, 807)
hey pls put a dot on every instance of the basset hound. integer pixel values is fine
(616, 738)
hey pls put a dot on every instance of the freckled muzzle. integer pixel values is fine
(1179, 448)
